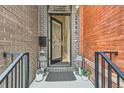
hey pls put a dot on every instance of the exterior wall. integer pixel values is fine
(44, 29)
(19, 33)
(102, 31)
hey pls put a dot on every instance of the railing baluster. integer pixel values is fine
(7, 82)
(12, 73)
(22, 73)
(110, 73)
(19, 75)
(15, 76)
(109, 77)
(118, 81)
(96, 70)
(103, 73)
(27, 71)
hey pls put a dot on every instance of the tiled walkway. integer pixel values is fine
(79, 83)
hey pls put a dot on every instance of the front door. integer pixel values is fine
(56, 40)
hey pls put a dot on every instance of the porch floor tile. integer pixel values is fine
(79, 83)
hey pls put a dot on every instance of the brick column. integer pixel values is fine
(43, 31)
(75, 35)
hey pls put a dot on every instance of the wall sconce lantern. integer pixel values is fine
(77, 7)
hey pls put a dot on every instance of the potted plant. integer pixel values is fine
(85, 74)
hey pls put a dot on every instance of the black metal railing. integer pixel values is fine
(104, 59)
(16, 74)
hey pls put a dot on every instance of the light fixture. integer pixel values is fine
(77, 6)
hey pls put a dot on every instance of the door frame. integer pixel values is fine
(49, 40)
(56, 20)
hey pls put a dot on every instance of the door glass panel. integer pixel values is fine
(56, 40)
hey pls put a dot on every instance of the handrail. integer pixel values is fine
(115, 68)
(107, 60)
(13, 65)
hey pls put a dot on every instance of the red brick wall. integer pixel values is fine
(102, 31)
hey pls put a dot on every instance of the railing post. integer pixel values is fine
(27, 71)
(103, 73)
(12, 72)
(7, 82)
(96, 70)
(22, 73)
(109, 77)
(110, 74)
(19, 75)
(15, 76)
(118, 81)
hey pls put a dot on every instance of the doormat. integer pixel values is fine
(60, 76)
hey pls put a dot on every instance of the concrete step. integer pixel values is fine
(79, 83)
(59, 69)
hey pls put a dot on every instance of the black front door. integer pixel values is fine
(56, 40)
